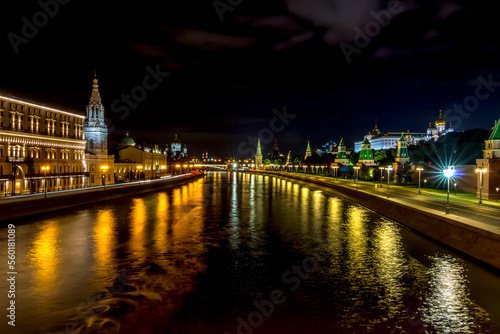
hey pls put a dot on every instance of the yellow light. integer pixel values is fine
(178, 166)
(483, 170)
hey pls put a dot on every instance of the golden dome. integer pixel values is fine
(440, 120)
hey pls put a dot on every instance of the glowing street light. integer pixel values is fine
(455, 186)
(481, 171)
(335, 168)
(448, 172)
(356, 168)
(497, 193)
(389, 168)
(45, 168)
(381, 176)
(420, 169)
(139, 167)
(103, 171)
(425, 184)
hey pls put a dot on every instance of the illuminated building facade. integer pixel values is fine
(176, 150)
(366, 154)
(341, 158)
(390, 140)
(489, 165)
(133, 160)
(402, 156)
(99, 166)
(41, 148)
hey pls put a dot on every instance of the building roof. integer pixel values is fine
(495, 134)
(127, 140)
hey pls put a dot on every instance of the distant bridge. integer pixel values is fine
(212, 166)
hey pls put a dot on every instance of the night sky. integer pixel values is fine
(225, 77)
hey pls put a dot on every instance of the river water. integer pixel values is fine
(239, 253)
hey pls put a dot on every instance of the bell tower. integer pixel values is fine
(96, 131)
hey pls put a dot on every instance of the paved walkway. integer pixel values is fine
(470, 213)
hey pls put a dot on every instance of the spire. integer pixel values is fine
(308, 150)
(95, 96)
(258, 155)
(403, 138)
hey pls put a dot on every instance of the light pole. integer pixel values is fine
(481, 171)
(336, 171)
(389, 168)
(455, 188)
(497, 193)
(45, 169)
(448, 172)
(425, 184)
(103, 171)
(420, 169)
(381, 175)
(356, 168)
(139, 167)
(317, 169)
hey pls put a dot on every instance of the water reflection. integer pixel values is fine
(391, 266)
(105, 238)
(45, 256)
(138, 218)
(447, 306)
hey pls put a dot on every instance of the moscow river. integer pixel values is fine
(239, 253)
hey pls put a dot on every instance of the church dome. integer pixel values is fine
(440, 120)
(127, 140)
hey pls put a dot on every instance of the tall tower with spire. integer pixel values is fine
(258, 155)
(342, 154)
(275, 154)
(99, 166)
(96, 131)
(308, 151)
(402, 156)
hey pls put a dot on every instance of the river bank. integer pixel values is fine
(25, 206)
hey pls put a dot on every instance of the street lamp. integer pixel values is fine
(139, 167)
(389, 168)
(317, 169)
(356, 168)
(381, 177)
(497, 193)
(455, 187)
(103, 171)
(336, 171)
(420, 169)
(425, 184)
(481, 171)
(45, 169)
(448, 172)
